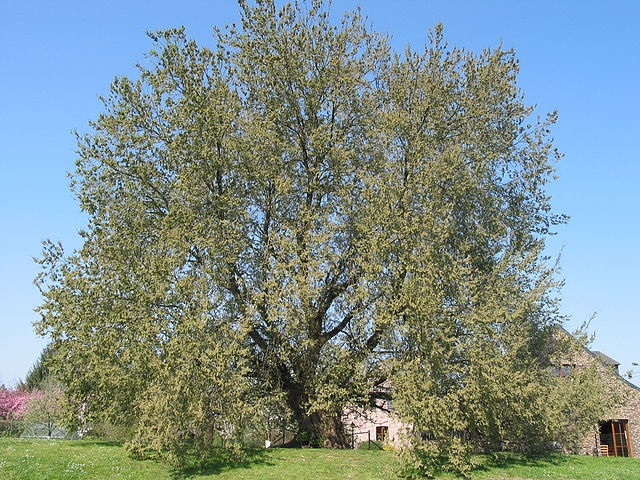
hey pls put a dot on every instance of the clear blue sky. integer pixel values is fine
(580, 57)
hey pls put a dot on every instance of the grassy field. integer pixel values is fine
(82, 460)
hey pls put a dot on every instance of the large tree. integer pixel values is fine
(294, 216)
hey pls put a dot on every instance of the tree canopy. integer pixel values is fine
(284, 220)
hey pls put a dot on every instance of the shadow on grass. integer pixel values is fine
(220, 462)
(76, 443)
(507, 460)
(96, 443)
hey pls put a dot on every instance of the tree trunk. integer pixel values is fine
(329, 428)
(322, 428)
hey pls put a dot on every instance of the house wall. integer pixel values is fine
(366, 421)
(629, 410)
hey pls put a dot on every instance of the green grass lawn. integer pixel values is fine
(560, 467)
(27, 459)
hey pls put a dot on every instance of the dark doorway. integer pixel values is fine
(615, 435)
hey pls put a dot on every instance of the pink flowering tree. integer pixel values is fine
(13, 405)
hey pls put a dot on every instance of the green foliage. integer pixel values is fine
(590, 392)
(529, 410)
(274, 218)
(475, 312)
(195, 401)
(41, 370)
(106, 431)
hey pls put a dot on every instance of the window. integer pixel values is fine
(562, 370)
(382, 433)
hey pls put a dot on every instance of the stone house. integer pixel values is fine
(619, 434)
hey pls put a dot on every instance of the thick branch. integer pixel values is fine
(236, 291)
(340, 327)
(257, 339)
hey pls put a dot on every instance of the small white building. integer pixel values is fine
(374, 424)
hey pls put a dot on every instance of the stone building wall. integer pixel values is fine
(366, 422)
(629, 410)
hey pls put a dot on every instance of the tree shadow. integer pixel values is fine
(222, 461)
(507, 460)
(96, 443)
